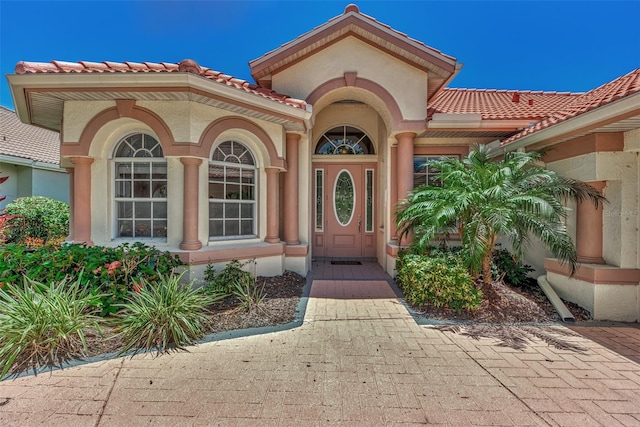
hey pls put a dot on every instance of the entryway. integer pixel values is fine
(344, 210)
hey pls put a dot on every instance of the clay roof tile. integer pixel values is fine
(186, 65)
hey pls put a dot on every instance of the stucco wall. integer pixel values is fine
(51, 184)
(351, 55)
(9, 188)
(25, 181)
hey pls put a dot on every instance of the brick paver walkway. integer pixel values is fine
(358, 360)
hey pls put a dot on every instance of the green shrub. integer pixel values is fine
(44, 325)
(225, 281)
(233, 280)
(505, 265)
(37, 217)
(109, 272)
(163, 315)
(442, 281)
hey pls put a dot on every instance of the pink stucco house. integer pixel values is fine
(216, 168)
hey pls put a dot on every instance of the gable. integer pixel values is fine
(352, 23)
(351, 55)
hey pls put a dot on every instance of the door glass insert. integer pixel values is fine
(369, 201)
(319, 199)
(344, 197)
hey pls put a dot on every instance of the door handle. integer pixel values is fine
(359, 223)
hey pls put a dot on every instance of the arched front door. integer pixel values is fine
(344, 192)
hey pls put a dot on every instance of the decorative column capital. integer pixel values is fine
(405, 136)
(293, 137)
(80, 160)
(270, 170)
(190, 160)
(598, 185)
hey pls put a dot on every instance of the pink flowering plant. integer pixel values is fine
(111, 273)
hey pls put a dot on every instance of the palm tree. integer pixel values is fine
(485, 198)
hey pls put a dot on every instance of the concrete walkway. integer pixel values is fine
(359, 359)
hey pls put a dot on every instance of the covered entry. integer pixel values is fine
(344, 170)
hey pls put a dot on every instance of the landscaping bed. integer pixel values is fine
(279, 307)
(523, 304)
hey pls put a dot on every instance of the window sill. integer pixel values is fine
(226, 251)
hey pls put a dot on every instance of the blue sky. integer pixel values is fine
(536, 45)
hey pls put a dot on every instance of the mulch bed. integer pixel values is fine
(524, 304)
(278, 308)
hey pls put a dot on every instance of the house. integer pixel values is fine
(215, 168)
(30, 157)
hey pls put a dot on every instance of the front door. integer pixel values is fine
(344, 211)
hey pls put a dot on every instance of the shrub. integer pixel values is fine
(37, 217)
(163, 315)
(442, 281)
(233, 280)
(108, 272)
(44, 325)
(507, 266)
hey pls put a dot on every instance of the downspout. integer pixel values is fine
(563, 311)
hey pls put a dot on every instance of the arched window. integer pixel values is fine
(344, 140)
(140, 187)
(232, 192)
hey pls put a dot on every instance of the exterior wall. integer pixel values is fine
(25, 181)
(9, 188)
(610, 291)
(351, 55)
(51, 184)
(187, 122)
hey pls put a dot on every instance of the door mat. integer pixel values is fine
(346, 263)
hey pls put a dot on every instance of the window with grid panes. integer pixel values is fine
(423, 174)
(232, 192)
(140, 188)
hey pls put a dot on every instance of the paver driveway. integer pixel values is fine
(358, 359)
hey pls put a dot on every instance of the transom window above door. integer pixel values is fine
(344, 140)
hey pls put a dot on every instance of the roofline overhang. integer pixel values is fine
(609, 113)
(22, 161)
(258, 66)
(473, 121)
(50, 82)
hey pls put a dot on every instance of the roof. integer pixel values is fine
(354, 23)
(186, 65)
(494, 104)
(607, 93)
(29, 142)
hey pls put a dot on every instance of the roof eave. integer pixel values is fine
(19, 83)
(621, 107)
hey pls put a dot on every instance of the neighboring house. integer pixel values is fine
(216, 168)
(30, 157)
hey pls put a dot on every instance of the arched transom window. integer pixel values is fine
(344, 140)
(232, 192)
(140, 187)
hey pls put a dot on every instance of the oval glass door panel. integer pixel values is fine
(344, 197)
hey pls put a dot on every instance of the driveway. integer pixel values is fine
(359, 359)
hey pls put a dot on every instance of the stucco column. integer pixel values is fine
(82, 199)
(70, 171)
(291, 207)
(589, 229)
(190, 240)
(272, 205)
(404, 168)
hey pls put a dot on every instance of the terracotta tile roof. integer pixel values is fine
(186, 65)
(29, 142)
(493, 104)
(609, 92)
